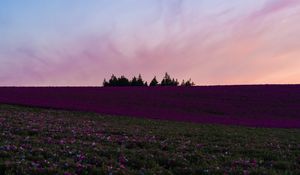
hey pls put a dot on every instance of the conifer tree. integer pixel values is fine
(140, 81)
(166, 81)
(133, 81)
(105, 83)
(154, 82)
(113, 80)
(123, 81)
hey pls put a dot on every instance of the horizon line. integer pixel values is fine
(100, 86)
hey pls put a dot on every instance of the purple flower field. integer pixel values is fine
(45, 141)
(258, 106)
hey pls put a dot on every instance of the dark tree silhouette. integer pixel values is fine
(168, 81)
(105, 83)
(133, 82)
(113, 80)
(140, 81)
(154, 82)
(123, 81)
(174, 82)
(187, 83)
(182, 83)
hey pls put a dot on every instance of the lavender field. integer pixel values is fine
(259, 106)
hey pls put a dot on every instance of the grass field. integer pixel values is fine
(44, 141)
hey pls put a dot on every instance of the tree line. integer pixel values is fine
(138, 81)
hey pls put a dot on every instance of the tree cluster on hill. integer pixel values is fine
(123, 81)
(138, 81)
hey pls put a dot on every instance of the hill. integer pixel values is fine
(261, 105)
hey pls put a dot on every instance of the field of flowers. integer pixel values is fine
(44, 141)
(261, 105)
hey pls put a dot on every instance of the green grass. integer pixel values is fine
(44, 141)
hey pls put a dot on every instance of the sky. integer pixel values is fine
(214, 42)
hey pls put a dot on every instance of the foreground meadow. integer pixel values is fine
(44, 141)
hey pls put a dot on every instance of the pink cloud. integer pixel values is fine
(273, 6)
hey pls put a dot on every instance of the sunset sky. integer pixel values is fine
(76, 42)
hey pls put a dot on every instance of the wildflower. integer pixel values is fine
(245, 172)
(199, 145)
(253, 163)
(67, 173)
(108, 138)
(35, 165)
(110, 170)
(122, 159)
(122, 166)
